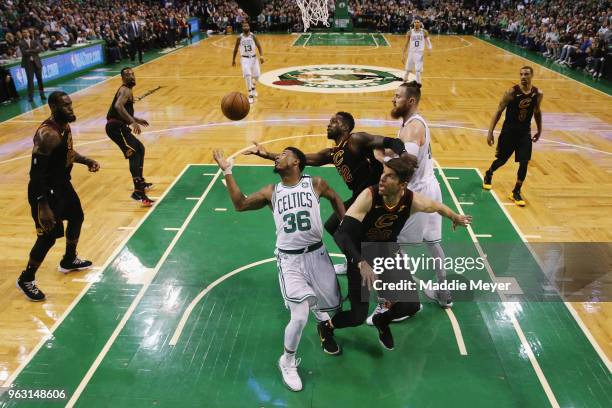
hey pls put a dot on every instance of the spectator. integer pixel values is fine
(30, 61)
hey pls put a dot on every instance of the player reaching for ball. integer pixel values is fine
(248, 58)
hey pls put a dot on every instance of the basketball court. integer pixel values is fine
(184, 308)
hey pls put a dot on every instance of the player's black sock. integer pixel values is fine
(517, 186)
(70, 250)
(30, 272)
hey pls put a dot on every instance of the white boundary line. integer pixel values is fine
(569, 306)
(139, 296)
(308, 39)
(116, 252)
(250, 122)
(517, 327)
(457, 331)
(540, 65)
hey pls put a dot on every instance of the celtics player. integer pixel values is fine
(306, 274)
(416, 39)
(521, 103)
(247, 42)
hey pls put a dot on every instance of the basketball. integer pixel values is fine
(235, 106)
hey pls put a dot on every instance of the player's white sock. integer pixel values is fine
(249, 83)
(418, 76)
(436, 251)
(293, 331)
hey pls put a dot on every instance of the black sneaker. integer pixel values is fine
(384, 332)
(147, 186)
(328, 343)
(75, 265)
(488, 179)
(31, 290)
(516, 197)
(142, 197)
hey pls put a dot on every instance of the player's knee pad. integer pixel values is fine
(42, 245)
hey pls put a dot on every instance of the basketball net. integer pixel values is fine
(313, 12)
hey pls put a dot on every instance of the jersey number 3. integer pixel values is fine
(299, 221)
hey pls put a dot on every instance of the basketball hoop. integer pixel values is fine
(313, 12)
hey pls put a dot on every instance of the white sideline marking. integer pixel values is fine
(59, 321)
(466, 203)
(569, 306)
(457, 331)
(482, 235)
(508, 305)
(220, 209)
(171, 229)
(192, 198)
(137, 299)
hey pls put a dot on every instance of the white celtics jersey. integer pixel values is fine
(417, 41)
(247, 45)
(297, 215)
(424, 173)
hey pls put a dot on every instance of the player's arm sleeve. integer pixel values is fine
(349, 228)
(46, 141)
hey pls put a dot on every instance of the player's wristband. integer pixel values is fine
(227, 171)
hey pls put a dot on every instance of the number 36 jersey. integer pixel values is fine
(297, 215)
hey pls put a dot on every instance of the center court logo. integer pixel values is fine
(334, 78)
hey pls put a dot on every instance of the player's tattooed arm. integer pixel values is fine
(235, 51)
(241, 202)
(420, 203)
(324, 190)
(497, 115)
(368, 140)
(45, 141)
(91, 164)
(123, 96)
(537, 115)
(312, 159)
(261, 57)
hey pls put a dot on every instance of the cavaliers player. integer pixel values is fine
(378, 215)
(353, 156)
(247, 42)
(119, 118)
(51, 195)
(521, 102)
(415, 47)
(306, 274)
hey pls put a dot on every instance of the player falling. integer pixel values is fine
(306, 273)
(379, 214)
(521, 102)
(247, 42)
(415, 46)
(119, 118)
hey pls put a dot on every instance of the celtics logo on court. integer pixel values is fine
(334, 78)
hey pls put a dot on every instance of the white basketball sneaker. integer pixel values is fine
(380, 308)
(288, 368)
(251, 99)
(255, 94)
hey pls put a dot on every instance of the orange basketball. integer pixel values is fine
(235, 106)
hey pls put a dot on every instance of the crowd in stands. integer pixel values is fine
(574, 33)
(58, 24)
